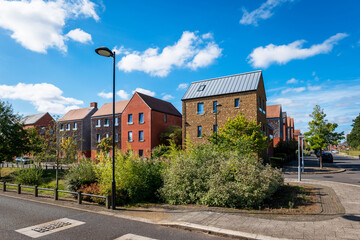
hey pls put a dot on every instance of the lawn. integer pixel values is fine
(352, 152)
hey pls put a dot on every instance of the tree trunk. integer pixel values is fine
(320, 159)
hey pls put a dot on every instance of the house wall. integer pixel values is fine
(46, 121)
(158, 125)
(134, 107)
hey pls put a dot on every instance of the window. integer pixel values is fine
(141, 118)
(68, 127)
(75, 126)
(237, 102)
(106, 135)
(61, 127)
(42, 130)
(200, 108)
(106, 122)
(130, 136)
(165, 118)
(116, 121)
(260, 103)
(98, 138)
(98, 123)
(215, 106)
(141, 153)
(199, 131)
(116, 137)
(130, 120)
(51, 131)
(141, 136)
(201, 88)
(215, 128)
(264, 108)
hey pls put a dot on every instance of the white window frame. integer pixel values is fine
(130, 133)
(106, 124)
(75, 127)
(98, 123)
(98, 138)
(68, 126)
(116, 121)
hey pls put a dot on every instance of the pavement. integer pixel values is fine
(337, 215)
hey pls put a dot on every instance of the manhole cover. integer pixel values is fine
(52, 226)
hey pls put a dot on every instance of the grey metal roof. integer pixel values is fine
(224, 85)
(32, 119)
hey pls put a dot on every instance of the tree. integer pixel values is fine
(321, 133)
(14, 139)
(68, 149)
(353, 138)
(240, 134)
(172, 133)
(105, 145)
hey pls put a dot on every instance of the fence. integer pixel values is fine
(56, 193)
(43, 166)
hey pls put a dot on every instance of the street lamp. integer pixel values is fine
(105, 52)
(300, 140)
(216, 113)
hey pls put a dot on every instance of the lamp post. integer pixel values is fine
(300, 138)
(105, 52)
(216, 113)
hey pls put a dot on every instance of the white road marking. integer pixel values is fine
(130, 236)
(49, 227)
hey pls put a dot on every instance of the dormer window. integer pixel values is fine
(201, 88)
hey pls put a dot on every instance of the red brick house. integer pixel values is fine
(101, 125)
(143, 120)
(77, 124)
(275, 120)
(41, 122)
(285, 125)
(292, 128)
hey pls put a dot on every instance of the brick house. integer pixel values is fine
(41, 122)
(288, 128)
(292, 130)
(275, 120)
(77, 124)
(238, 94)
(101, 125)
(297, 133)
(285, 126)
(143, 120)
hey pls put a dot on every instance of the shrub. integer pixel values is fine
(137, 180)
(82, 173)
(93, 188)
(208, 176)
(160, 151)
(29, 176)
(277, 162)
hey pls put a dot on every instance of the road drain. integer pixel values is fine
(50, 227)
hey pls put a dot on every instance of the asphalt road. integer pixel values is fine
(351, 175)
(17, 214)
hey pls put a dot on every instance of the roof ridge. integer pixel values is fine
(154, 97)
(233, 75)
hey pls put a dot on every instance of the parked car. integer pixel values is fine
(327, 157)
(334, 151)
(24, 160)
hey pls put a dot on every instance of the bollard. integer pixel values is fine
(36, 191)
(79, 197)
(56, 194)
(19, 189)
(108, 201)
(4, 186)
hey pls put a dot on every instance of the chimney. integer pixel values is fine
(93, 104)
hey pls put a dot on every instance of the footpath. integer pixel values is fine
(338, 216)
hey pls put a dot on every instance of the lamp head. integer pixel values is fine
(104, 51)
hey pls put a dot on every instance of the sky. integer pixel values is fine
(308, 52)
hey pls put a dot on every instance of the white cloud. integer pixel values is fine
(167, 97)
(105, 95)
(293, 80)
(182, 86)
(263, 12)
(123, 94)
(79, 35)
(121, 50)
(265, 56)
(297, 90)
(144, 91)
(38, 25)
(191, 51)
(44, 96)
(314, 88)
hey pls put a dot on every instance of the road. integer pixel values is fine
(17, 214)
(351, 175)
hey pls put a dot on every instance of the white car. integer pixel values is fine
(334, 151)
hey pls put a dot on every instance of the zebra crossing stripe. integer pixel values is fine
(133, 237)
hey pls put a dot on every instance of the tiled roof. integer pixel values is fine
(292, 122)
(297, 132)
(273, 111)
(76, 114)
(159, 105)
(32, 119)
(224, 85)
(107, 108)
(288, 121)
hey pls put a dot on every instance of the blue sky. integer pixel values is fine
(308, 51)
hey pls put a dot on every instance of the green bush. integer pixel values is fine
(160, 151)
(206, 175)
(277, 162)
(29, 176)
(137, 180)
(82, 173)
